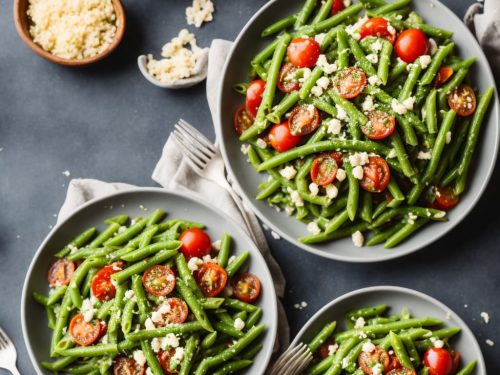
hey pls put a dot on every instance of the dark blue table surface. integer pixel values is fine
(107, 122)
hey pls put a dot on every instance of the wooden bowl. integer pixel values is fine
(23, 22)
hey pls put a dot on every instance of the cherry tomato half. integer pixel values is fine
(378, 27)
(246, 287)
(281, 138)
(350, 82)
(463, 100)
(444, 73)
(455, 359)
(159, 280)
(445, 198)
(102, 287)
(376, 175)
(402, 371)
(127, 366)
(176, 312)
(83, 333)
(304, 119)
(324, 350)
(211, 278)
(61, 271)
(394, 363)
(368, 360)
(303, 52)
(195, 243)
(337, 6)
(164, 357)
(380, 126)
(439, 361)
(287, 82)
(242, 120)
(254, 96)
(411, 44)
(324, 169)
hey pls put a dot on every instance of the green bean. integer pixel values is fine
(79, 275)
(241, 88)
(340, 233)
(90, 351)
(366, 207)
(127, 234)
(234, 366)
(236, 264)
(344, 349)
(147, 235)
(337, 221)
(400, 350)
(325, 106)
(269, 190)
(127, 315)
(343, 49)
(88, 252)
(395, 5)
(368, 4)
(186, 275)
(76, 242)
(209, 340)
(450, 176)
(189, 352)
(430, 112)
(321, 366)
(444, 333)
(119, 219)
(323, 12)
(266, 53)
(360, 57)
(278, 26)
(467, 370)
(310, 82)
(252, 352)
(462, 64)
(304, 13)
(40, 298)
(279, 52)
(411, 81)
(194, 304)
(322, 336)
(328, 41)
(424, 371)
(337, 18)
(401, 154)
(177, 329)
(51, 317)
(55, 295)
(384, 62)
(367, 312)
(105, 235)
(449, 86)
(284, 105)
(432, 31)
(156, 216)
(384, 235)
(353, 195)
(412, 351)
(470, 145)
(141, 266)
(116, 313)
(228, 330)
(253, 318)
(240, 305)
(58, 365)
(397, 70)
(409, 134)
(151, 358)
(225, 248)
(149, 250)
(404, 232)
(142, 302)
(396, 193)
(436, 62)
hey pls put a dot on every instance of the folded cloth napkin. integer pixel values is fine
(484, 21)
(174, 173)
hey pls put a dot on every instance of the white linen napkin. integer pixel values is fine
(174, 173)
(484, 21)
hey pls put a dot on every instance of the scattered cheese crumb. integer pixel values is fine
(391, 154)
(408, 103)
(448, 137)
(178, 355)
(368, 347)
(373, 58)
(170, 340)
(358, 239)
(411, 218)
(314, 189)
(424, 60)
(295, 197)
(313, 227)
(317, 91)
(139, 357)
(261, 143)
(332, 349)
(378, 369)
(201, 11)
(341, 113)
(374, 81)
(358, 172)
(397, 107)
(149, 324)
(323, 82)
(66, 173)
(194, 264)
(334, 126)
(486, 317)
(345, 362)
(377, 45)
(424, 155)
(331, 191)
(367, 104)
(359, 159)
(341, 174)
(129, 294)
(239, 324)
(319, 37)
(360, 322)
(438, 343)
(490, 342)
(323, 63)
(432, 46)
(156, 344)
(244, 148)
(288, 172)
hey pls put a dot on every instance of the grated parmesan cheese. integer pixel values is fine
(201, 11)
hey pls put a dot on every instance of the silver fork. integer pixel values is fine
(8, 354)
(293, 361)
(207, 162)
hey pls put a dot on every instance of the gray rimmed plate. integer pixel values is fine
(177, 205)
(397, 298)
(249, 43)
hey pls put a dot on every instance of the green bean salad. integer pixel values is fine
(154, 297)
(377, 343)
(364, 119)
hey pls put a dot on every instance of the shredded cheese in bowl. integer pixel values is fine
(73, 29)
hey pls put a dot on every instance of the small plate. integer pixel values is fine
(397, 298)
(34, 322)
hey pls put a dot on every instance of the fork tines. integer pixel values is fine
(293, 361)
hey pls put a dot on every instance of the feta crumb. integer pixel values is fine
(66, 173)
(373, 58)
(392, 154)
(341, 114)
(129, 294)
(362, 335)
(178, 355)
(87, 310)
(216, 245)
(334, 126)
(170, 340)
(314, 189)
(231, 259)
(261, 143)
(448, 137)
(323, 63)
(164, 308)
(360, 322)
(295, 197)
(408, 103)
(359, 159)
(149, 371)
(156, 317)
(317, 91)
(411, 218)
(72, 248)
(424, 60)
(323, 82)
(397, 107)
(244, 148)
(377, 45)
(490, 342)
(346, 3)
(378, 369)
(486, 317)
(275, 235)
(331, 191)
(358, 172)
(341, 174)
(313, 228)
(358, 239)
(368, 347)
(332, 349)
(367, 104)
(424, 155)
(139, 357)
(432, 46)
(288, 172)
(239, 324)
(303, 304)
(374, 81)
(391, 29)
(201, 11)
(319, 37)
(438, 343)
(345, 362)
(156, 344)
(149, 324)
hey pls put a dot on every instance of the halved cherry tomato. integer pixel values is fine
(103, 328)
(165, 356)
(211, 278)
(339, 158)
(324, 169)
(286, 80)
(455, 359)
(246, 287)
(242, 120)
(378, 27)
(281, 138)
(127, 366)
(376, 175)
(324, 350)
(304, 119)
(176, 313)
(159, 280)
(303, 52)
(411, 44)
(350, 82)
(195, 243)
(102, 287)
(463, 100)
(83, 333)
(368, 360)
(380, 126)
(61, 271)
(439, 361)
(337, 6)
(444, 73)
(254, 96)
(445, 198)
(402, 371)
(393, 363)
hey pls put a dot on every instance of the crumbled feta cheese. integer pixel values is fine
(438, 343)
(391, 154)
(156, 317)
(289, 211)
(66, 173)
(164, 308)
(360, 322)
(411, 218)
(397, 107)
(368, 347)
(313, 228)
(178, 355)
(358, 158)
(116, 267)
(208, 259)
(448, 137)
(346, 3)
(358, 239)
(239, 324)
(170, 340)
(288, 172)
(129, 294)
(341, 174)
(490, 342)
(313, 189)
(231, 259)
(374, 81)
(332, 349)
(261, 143)
(341, 114)
(408, 103)
(295, 197)
(432, 46)
(244, 148)
(424, 60)
(306, 73)
(334, 126)
(323, 63)
(317, 91)
(362, 335)
(216, 245)
(149, 371)
(345, 362)
(201, 11)
(372, 57)
(319, 37)
(391, 29)
(139, 357)
(72, 248)
(156, 344)
(358, 172)
(486, 317)
(149, 324)
(367, 104)
(194, 264)
(424, 155)
(331, 191)
(377, 45)
(378, 369)
(87, 310)
(122, 229)
(323, 82)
